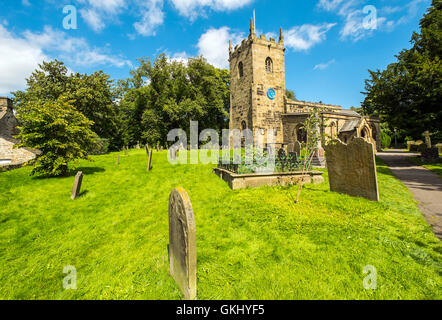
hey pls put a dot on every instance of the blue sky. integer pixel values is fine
(330, 43)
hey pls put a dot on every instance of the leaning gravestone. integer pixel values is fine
(182, 243)
(149, 161)
(297, 148)
(118, 159)
(77, 185)
(352, 168)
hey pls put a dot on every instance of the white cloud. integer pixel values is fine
(21, 54)
(93, 19)
(214, 45)
(25, 3)
(323, 66)
(152, 18)
(193, 8)
(306, 36)
(352, 12)
(96, 12)
(181, 57)
(329, 5)
(18, 58)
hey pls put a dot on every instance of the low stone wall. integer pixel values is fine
(255, 180)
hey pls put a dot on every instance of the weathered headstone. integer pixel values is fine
(182, 243)
(290, 148)
(118, 159)
(297, 148)
(352, 168)
(149, 161)
(439, 147)
(77, 185)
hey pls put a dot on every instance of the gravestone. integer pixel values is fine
(297, 148)
(430, 155)
(77, 185)
(182, 243)
(352, 168)
(149, 161)
(126, 151)
(439, 147)
(118, 159)
(290, 148)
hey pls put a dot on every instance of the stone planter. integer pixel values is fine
(256, 180)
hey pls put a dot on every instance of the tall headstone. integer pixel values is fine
(297, 148)
(118, 159)
(149, 161)
(182, 243)
(77, 185)
(352, 168)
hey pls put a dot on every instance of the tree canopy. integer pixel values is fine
(89, 94)
(408, 94)
(166, 94)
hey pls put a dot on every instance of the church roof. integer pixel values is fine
(350, 125)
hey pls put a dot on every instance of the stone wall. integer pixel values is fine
(8, 122)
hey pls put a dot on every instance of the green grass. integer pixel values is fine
(435, 167)
(251, 244)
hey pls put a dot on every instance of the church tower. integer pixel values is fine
(257, 85)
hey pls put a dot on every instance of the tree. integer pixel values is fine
(58, 130)
(164, 95)
(89, 94)
(407, 94)
(290, 94)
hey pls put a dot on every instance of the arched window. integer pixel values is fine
(243, 125)
(269, 65)
(241, 70)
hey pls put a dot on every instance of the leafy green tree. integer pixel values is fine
(58, 130)
(90, 94)
(164, 95)
(407, 94)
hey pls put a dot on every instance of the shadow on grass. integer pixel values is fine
(73, 172)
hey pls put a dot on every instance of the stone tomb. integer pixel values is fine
(352, 168)
(182, 243)
(77, 185)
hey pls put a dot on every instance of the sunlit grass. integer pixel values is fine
(251, 244)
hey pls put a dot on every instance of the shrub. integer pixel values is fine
(385, 140)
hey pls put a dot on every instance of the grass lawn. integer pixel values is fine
(435, 167)
(251, 244)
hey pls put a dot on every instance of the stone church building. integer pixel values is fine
(10, 156)
(258, 98)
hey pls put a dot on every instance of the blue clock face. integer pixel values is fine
(271, 94)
